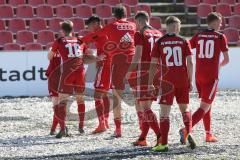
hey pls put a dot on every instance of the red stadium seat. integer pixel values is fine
(203, 10)
(143, 7)
(83, 32)
(78, 24)
(130, 2)
(49, 45)
(224, 9)
(11, 47)
(16, 25)
(232, 35)
(5, 37)
(33, 47)
(192, 3)
(24, 37)
(104, 11)
(231, 2)
(93, 2)
(37, 24)
(36, 3)
(24, 11)
(45, 36)
(55, 2)
(2, 25)
(112, 2)
(237, 9)
(128, 8)
(44, 11)
(2, 2)
(54, 24)
(74, 2)
(84, 11)
(6, 11)
(234, 21)
(155, 22)
(64, 11)
(212, 2)
(111, 20)
(16, 2)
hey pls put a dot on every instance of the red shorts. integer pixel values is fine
(102, 81)
(72, 82)
(119, 69)
(181, 94)
(207, 91)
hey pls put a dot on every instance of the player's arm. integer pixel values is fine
(224, 49)
(225, 60)
(190, 71)
(50, 55)
(89, 58)
(53, 50)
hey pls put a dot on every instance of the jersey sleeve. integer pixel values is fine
(55, 46)
(138, 39)
(224, 44)
(155, 52)
(188, 51)
(193, 41)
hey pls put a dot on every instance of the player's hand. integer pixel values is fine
(101, 57)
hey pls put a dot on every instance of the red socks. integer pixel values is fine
(197, 116)
(118, 123)
(81, 114)
(164, 127)
(140, 115)
(145, 128)
(152, 120)
(61, 115)
(207, 122)
(55, 120)
(187, 120)
(106, 103)
(99, 109)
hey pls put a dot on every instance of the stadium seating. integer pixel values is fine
(55, 2)
(54, 24)
(231, 2)
(37, 24)
(192, 3)
(110, 20)
(237, 9)
(44, 11)
(5, 37)
(64, 11)
(112, 2)
(84, 11)
(12, 47)
(104, 11)
(224, 9)
(234, 21)
(2, 2)
(142, 7)
(6, 11)
(232, 35)
(78, 24)
(93, 2)
(2, 25)
(33, 46)
(130, 2)
(128, 8)
(16, 2)
(24, 37)
(45, 36)
(155, 22)
(24, 11)
(15, 25)
(36, 3)
(203, 10)
(212, 2)
(74, 2)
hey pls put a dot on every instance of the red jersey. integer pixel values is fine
(120, 37)
(54, 63)
(209, 44)
(172, 51)
(147, 38)
(70, 48)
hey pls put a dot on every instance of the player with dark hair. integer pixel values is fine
(174, 52)
(72, 81)
(120, 48)
(209, 44)
(144, 41)
(102, 80)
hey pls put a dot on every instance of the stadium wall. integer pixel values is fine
(23, 73)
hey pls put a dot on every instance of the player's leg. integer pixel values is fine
(55, 120)
(61, 114)
(140, 113)
(117, 111)
(81, 112)
(106, 110)
(207, 125)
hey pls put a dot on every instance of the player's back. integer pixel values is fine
(209, 44)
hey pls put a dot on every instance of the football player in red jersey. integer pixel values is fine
(53, 74)
(102, 80)
(209, 44)
(174, 52)
(72, 80)
(144, 40)
(120, 47)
